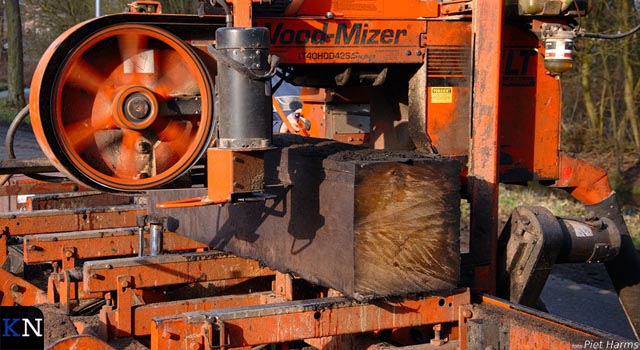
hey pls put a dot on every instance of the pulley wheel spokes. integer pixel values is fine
(117, 110)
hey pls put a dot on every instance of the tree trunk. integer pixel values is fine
(1, 31)
(15, 67)
(585, 80)
(629, 79)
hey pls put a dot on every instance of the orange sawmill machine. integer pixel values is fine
(184, 222)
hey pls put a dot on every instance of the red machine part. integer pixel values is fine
(111, 114)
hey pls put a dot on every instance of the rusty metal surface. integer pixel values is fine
(80, 342)
(233, 171)
(68, 220)
(586, 182)
(96, 244)
(305, 319)
(16, 291)
(524, 328)
(163, 270)
(20, 185)
(487, 26)
(529, 130)
(144, 314)
(26, 166)
(75, 200)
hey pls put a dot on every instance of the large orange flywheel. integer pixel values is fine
(126, 107)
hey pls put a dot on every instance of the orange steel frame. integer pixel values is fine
(63, 250)
(131, 278)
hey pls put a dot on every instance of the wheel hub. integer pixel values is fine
(135, 108)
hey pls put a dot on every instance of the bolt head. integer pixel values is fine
(467, 313)
(15, 288)
(143, 147)
(194, 345)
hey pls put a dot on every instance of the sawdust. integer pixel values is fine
(58, 325)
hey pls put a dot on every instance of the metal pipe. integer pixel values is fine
(156, 230)
(141, 221)
(98, 8)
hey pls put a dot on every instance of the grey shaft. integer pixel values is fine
(140, 240)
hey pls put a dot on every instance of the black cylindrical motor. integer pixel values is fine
(596, 240)
(245, 108)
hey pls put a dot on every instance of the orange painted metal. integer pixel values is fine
(220, 175)
(448, 87)
(3, 247)
(164, 270)
(451, 8)
(530, 111)
(110, 114)
(283, 285)
(293, 7)
(305, 319)
(586, 182)
(85, 219)
(128, 277)
(29, 186)
(68, 247)
(144, 314)
(528, 130)
(242, 13)
(352, 41)
(389, 9)
(354, 139)
(505, 305)
(530, 329)
(229, 172)
(80, 342)
(483, 170)
(16, 291)
(313, 100)
(233, 171)
(97, 244)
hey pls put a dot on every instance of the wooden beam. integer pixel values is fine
(365, 222)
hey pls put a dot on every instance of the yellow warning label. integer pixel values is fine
(442, 94)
